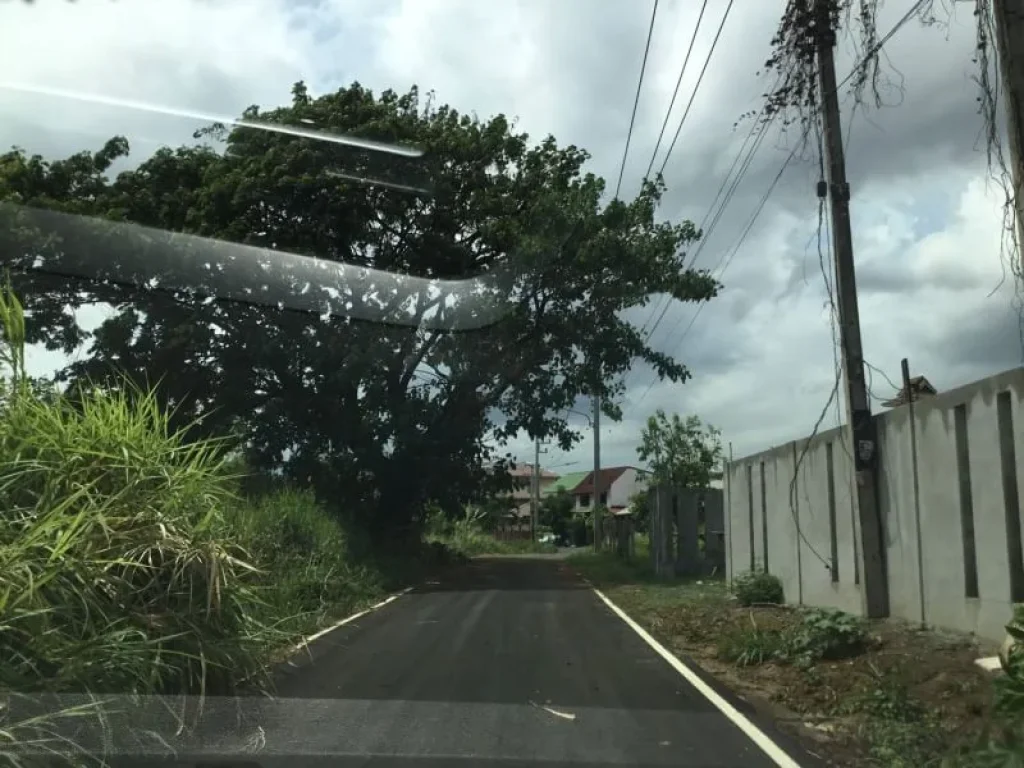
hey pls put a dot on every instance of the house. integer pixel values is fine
(618, 485)
(565, 483)
(919, 387)
(522, 492)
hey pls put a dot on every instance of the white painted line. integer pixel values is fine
(347, 620)
(777, 754)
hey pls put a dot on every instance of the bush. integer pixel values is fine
(1003, 743)
(758, 587)
(826, 634)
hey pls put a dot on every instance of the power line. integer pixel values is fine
(661, 135)
(746, 164)
(705, 236)
(696, 88)
(675, 92)
(636, 100)
(732, 253)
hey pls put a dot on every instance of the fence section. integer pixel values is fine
(953, 542)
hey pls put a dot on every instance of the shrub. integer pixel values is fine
(758, 587)
(1003, 742)
(1010, 686)
(826, 634)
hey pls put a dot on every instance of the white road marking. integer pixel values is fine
(555, 712)
(347, 620)
(777, 754)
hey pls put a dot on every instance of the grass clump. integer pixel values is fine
(758, 587)
(900, 731)
(820, 634)
(115, 572)
(752, 646)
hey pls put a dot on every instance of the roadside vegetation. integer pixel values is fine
(205, 480)
(855, 692)
(133, 563)
(467, 536)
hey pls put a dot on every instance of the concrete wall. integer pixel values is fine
(970, 452)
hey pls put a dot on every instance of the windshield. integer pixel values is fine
(511, 384)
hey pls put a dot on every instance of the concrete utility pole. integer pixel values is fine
(597, 470)
(535, 489)
(874, 592)
(1009, 22)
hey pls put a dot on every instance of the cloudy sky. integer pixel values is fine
(926, 222)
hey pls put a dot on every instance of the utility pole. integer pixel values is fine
(1009, 23)
(597, 471)
(535, 489)
(874, 592)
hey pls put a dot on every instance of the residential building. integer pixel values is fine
(565, 483)
(520, 499)
(618, 486)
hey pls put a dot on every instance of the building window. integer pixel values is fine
(584, 499)
(604, 500)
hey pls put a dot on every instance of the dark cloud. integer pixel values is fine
(989, 339)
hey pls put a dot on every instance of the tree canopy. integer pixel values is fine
(683, 453)
(409, 377)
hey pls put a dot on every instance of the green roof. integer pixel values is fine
(566, 483)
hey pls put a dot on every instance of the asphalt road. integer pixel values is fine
(510, 662)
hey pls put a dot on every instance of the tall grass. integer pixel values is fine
(129, 565)
(114, 573)
(306, 573)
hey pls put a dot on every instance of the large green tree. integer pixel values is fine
(399, 387)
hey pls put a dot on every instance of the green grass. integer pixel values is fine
(466, 536)
(130, 565)
(474, 544)
(639, 587)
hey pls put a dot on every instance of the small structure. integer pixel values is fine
(919, 387)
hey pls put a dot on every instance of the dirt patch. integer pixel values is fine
(910, 694)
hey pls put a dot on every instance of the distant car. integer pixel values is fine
(547, 538)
